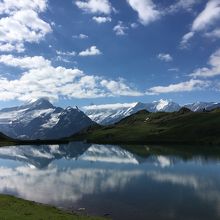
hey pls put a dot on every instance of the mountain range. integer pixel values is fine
(112, 113)
(42, 120)
(144, 127)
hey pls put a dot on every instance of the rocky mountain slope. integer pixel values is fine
(42, 120)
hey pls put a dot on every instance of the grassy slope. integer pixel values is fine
(145, 127)
(12, 208)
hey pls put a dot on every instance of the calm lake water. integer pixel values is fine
(167, 183)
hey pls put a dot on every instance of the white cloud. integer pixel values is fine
(8, 6)
(36, 62)
(213, 70)
(213, 34)
(119, 88)
(109, 106)
(101, 20)
(165, 57)
(63, 59)
(80, 36)
(61, 53)
(204, 21)
(208, 16)
(95, 6)
(120, 29)
(20, 23)
(65, 56)
(8, 47)
(146, 10)
(92, 51)
(183, 5)
(179, 87)
(185, 40)
(39, 78)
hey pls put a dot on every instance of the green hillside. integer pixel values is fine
(183, 126)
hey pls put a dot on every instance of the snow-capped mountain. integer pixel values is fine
(42, 120)
(112, 113)
(200, 106)
(107, 114)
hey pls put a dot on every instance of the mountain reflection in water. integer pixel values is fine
(110, 179)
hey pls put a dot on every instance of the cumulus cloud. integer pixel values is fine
(101, 20)
(9, 47)
(36, 62)
(39, 78)
(8, 6)
(92, 51)
(165, 57)
(95, 6)
(119, 87)
(179, 87)
(212, 70)
(20, 23)
(120, 29)
(146, 10)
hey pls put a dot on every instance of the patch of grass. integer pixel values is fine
(12, 208)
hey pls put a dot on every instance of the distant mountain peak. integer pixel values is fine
(161, 104)
(41, 103)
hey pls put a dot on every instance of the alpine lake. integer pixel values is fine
(118, 182)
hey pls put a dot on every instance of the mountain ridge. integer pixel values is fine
(115, 112)
(144, 127)
(42, 120)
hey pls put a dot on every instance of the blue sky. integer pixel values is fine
(77, 52)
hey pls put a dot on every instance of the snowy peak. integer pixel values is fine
(109, 114)
(200, 106)
(166, 105)
(41, 120)
(41, 103)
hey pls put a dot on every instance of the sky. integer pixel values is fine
(82, 52)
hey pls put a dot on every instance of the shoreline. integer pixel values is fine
(12, 207)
